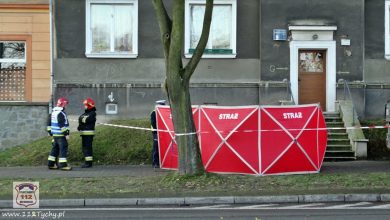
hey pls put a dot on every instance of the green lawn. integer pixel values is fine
(111, 146)
(172, 185)
(127, 146)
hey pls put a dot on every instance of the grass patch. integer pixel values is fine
(172, 185)
(111, 146)
(376, 146)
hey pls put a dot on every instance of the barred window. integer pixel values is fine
(12, 70)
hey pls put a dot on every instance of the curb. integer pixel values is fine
(89, 202)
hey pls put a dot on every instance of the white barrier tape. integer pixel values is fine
(246, 131)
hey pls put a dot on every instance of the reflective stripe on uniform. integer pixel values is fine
(62, 160)
(87, 132)
(51, 158)
(58, 135)
(84, 120)
(88, 158)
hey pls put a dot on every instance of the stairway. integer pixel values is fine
(339, 146)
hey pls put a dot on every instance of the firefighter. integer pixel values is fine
(153, 121)
(59, 129)
(87, 130)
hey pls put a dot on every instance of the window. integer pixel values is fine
(222, 38)
(13, 70)
(387, 29)
(112, 29)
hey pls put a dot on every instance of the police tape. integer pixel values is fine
(247, 131)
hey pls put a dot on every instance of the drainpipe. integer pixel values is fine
(51, 10)
(260, 2)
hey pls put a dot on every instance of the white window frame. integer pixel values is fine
(387, 29)
(233, 3)
(15, 60)
(88, 36)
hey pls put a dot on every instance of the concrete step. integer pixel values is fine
(339, 153)
(338, 142)
(337, 135)
(340, 147)
(335, 124)
(331, 114)
(337, 158)
(333, 119)
(337, 130)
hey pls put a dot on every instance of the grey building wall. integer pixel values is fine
(22, 123)
(246, 80)
(137, 101)
(377, 68)
(348, 16)
(136, 83)
(70, 29)
(375, 102)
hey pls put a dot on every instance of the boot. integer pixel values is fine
(67, 168)
(52, 165)
(87, 164)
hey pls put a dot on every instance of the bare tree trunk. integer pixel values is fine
(189, 154)
(178, 80)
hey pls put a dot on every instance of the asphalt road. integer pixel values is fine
(360, 166)
(206, 213)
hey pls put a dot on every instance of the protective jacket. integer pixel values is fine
(87, 122)
(59, 124)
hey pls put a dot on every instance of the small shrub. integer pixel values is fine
(377, 149)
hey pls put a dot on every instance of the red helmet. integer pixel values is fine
(89, 103)
(62, 102)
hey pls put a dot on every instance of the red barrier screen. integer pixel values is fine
(251, 139)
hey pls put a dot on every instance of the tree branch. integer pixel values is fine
(197, 55)
(165, 24)
(175, 50)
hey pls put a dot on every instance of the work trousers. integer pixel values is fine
(155, 157)
(86, 141)
(59, 150)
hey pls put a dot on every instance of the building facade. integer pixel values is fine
(268, 51)
(25, 82)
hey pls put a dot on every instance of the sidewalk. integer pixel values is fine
(146, 170)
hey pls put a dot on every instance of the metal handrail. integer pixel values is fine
(290, 92)
(347, 91)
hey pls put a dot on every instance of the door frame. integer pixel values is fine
(330, 47)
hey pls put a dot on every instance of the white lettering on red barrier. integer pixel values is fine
(232, 116)
(292, 115)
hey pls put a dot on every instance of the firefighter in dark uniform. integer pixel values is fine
(59, 129)
(87, 130)
(153, 121)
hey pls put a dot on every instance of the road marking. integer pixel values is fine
(302, 206)
(385, 206)
(212, 206)
(348, 206)
(360, 205)
(256, 206)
